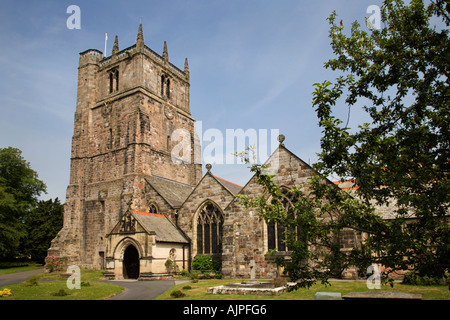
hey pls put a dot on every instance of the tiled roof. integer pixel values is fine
(172, 191)
(231, 186)
(386, 211)
(165, 230)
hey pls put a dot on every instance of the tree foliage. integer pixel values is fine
(399, 76)
(42, 225)
(19, 192)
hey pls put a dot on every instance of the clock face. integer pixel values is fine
(169, 112)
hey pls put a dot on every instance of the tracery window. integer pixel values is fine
(276, 232)
(209, 229)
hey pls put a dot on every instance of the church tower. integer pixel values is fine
(132, 122)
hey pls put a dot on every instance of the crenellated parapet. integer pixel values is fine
(90, 56)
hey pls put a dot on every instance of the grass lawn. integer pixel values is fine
(30, 267)
(198, 291)
(51, 283)
(45, 291)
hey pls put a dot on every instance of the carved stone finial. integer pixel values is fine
(208, 166)
(281, 138)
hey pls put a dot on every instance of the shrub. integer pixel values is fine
(205, 263)
(177, 294)
(210, 275)
(187, 288)
(51, 264)
(184, 273)
(171, 266)
(414, 278)
(194, 274)
(60, 293)
(13, 264)
(32, 282)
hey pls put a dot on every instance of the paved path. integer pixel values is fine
(13, 278)
(141, 290)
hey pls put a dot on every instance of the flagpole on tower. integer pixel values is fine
(106, 39)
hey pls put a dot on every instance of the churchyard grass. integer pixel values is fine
(52, 284)
(7, 268)
(198, 291)
(48, 290)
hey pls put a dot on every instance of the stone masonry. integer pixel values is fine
(128, 106)
(126, 170)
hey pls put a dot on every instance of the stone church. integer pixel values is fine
(130, 207)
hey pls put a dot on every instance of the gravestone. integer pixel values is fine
(327, 296)
(382, 295)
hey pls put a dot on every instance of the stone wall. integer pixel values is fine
(152, 255)
(245, 232)
(209, 189)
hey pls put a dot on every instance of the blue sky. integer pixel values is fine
(252, 64)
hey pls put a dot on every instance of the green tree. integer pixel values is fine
(19, 192)
(42, 225)
(399, 76)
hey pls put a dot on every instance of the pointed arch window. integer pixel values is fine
(209, 229)
(116, 75)
(153, 208)
(276, 232)
(168, 88)
(113, 80)
(165, 86)
(163, 80)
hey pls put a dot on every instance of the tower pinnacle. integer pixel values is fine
(186, 68)
(116, 45)
(165, 55)
(140, 37)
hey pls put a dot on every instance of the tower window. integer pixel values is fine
(116, 74)
(113, 80)
(165, 86)
(168, 88)
(163, 80)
